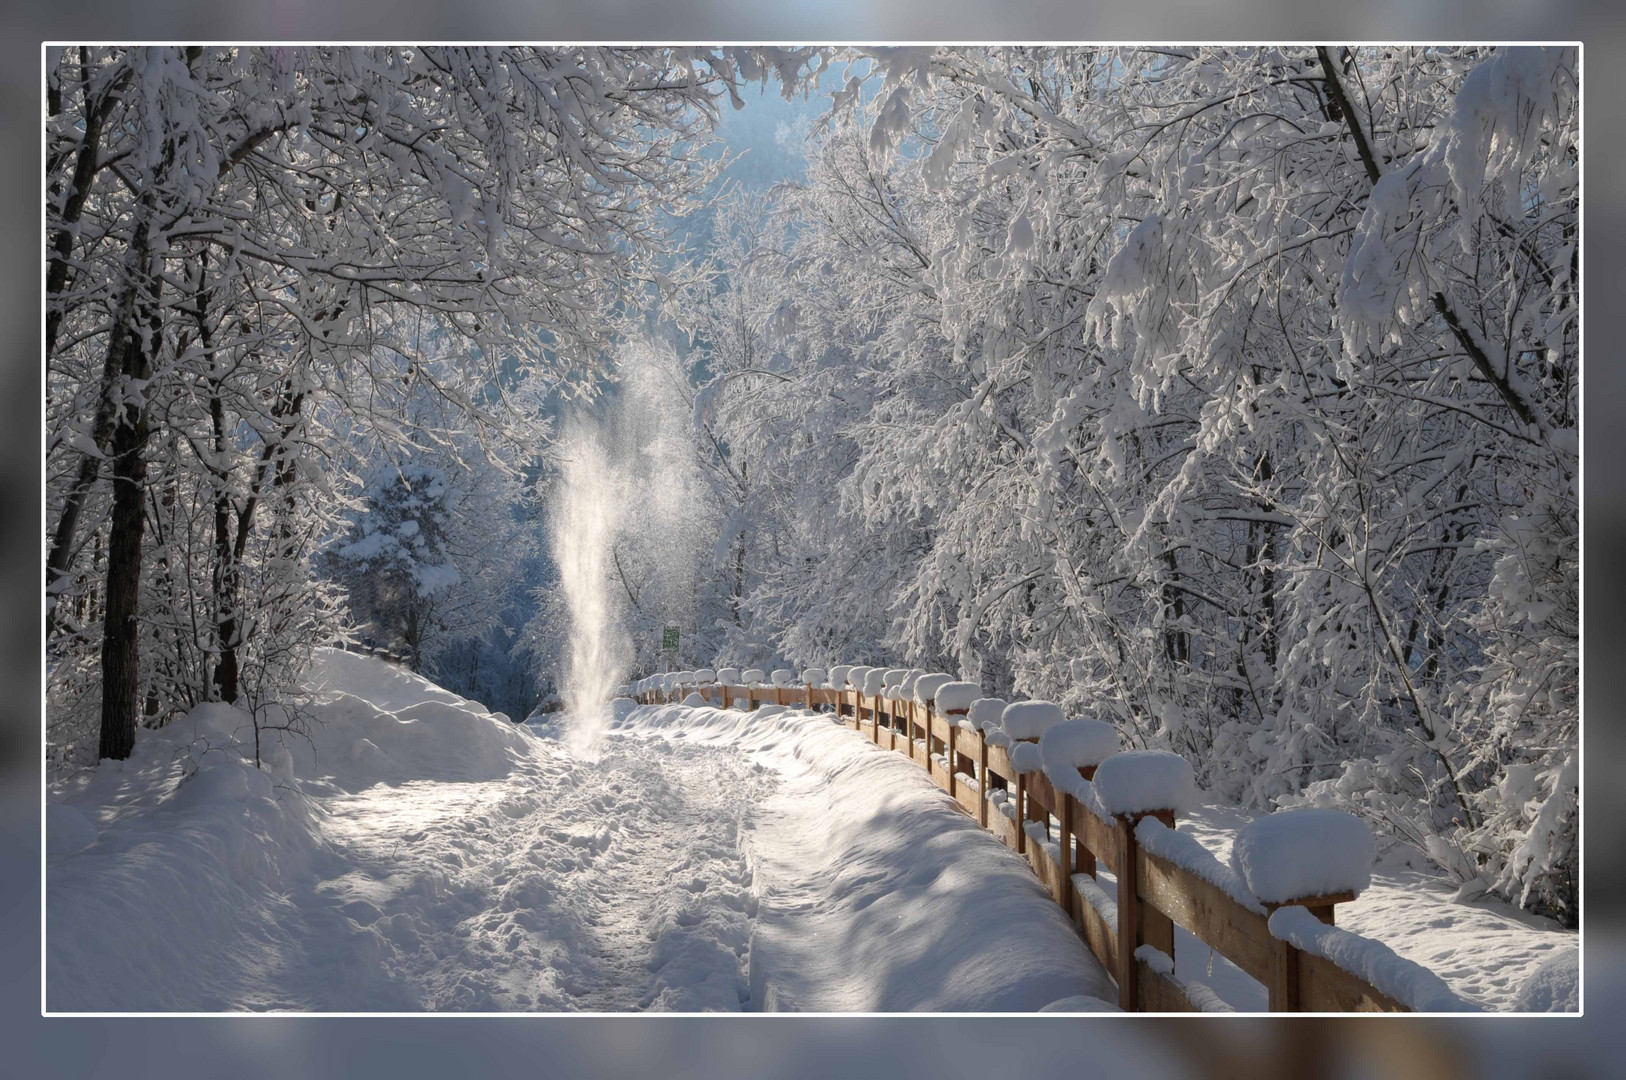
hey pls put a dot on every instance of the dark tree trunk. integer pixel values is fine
(135, 340)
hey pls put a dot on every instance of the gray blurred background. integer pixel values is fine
(895, 1047)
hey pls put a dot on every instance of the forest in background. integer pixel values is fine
(1228, 394)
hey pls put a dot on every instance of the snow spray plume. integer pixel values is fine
(585, 517)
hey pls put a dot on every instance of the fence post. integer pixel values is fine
(982, 781)
(1284, 960)
(948, 753)
(1064, 854)
(1138, 923)
(1022, 813)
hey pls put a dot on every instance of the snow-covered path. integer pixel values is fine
(422, 854)
(576, 896)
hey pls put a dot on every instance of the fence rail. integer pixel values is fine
(1129, 922)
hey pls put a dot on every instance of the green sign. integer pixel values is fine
(669, 639)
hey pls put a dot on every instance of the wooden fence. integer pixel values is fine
(1128, 923)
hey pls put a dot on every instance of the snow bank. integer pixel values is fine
(694, 700)
(215, 854)
(926, 686)
(1413, 985)
(1554, 987)
(1076, 744)
(1140, 781)
(1295, 854)
(814, 677)
(957, 696)
(1029, 719)
(67, 831)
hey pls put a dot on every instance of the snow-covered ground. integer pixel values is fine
(1485, 950)
(418, 852)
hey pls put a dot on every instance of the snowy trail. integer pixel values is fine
(576, 896)
(426, 855)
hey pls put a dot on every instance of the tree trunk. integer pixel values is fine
(135, 339)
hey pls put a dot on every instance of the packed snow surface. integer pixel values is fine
(419, 853)
(1297, 854)
(1554, 987)
(1140, 781)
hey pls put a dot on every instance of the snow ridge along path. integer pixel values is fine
(421, 853)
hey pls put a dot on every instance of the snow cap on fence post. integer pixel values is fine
(705, 675)
(754, 676)
(729, 676)
(874, 682)
(906, 688)
(985, 713)
(1302, 854)
(783, 676)
(856, 676)
(1075, 747)
(838, 676)
(956, 697)
(1145, 782)
(926, 686)
(1024, 720)
(814, 677)
(894, 679)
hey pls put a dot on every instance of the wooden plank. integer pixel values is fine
(1099, 836)
(1042, 798)
(1159, 993)
(1326, 987)
(1100, 937)
(999, 763)
(967, 798)
(1002, 827)
(1242, 936)
(1045, 868)
(938, 773)
(940, 727)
